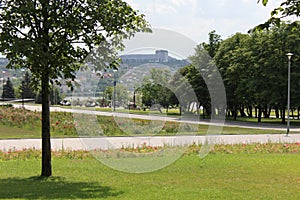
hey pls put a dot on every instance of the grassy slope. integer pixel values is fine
(19, 133)
(13, 132)
(219, 176)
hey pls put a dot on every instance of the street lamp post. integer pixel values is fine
(289, 55)
(3, 72)
(134, 106)
(115, 84)
(23, 83)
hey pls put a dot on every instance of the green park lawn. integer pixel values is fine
(218, 176)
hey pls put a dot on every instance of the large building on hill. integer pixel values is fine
(160, 56)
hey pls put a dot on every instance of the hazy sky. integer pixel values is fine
(196, 18)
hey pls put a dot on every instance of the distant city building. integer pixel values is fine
(160, 56)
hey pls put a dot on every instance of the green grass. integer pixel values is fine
(19, 133)
(248, 131)
(174, 112)
(294, 122)
(218, 176)
(16, 133)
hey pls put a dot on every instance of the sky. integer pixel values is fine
(196, 18)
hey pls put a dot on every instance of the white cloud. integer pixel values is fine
(161, 9)
(196, 18)
(179, 3)
(221, 3)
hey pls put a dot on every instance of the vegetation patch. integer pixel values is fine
(22, 123)
(231, 172)
(269, 148)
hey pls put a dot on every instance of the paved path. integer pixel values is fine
(168, 118)
(118, 142)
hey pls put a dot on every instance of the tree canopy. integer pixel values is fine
(52, 38)
(8, 90)
(254, 70)
(286, 8)
(26, 89)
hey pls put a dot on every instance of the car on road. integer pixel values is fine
(65, 103)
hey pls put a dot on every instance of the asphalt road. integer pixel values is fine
(118, 142)
(167, 118)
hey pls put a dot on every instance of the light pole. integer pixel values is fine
(3, 72)
(289, 55)
(115, 84)
(23, 84)
(134, 106)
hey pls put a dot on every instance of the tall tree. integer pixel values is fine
(156, 89)
(213, 44)
(55, 96)
(40, 35)
(232, 61)
(8, 90)
(26, 89)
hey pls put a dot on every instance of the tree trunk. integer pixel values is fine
(234, 112)
(249, 111)
(256, 112)
(266, 111)
(277, 113)
(242, 111)
(259, 114)
(180, 110)
(46, 143)
(283, 116)
(198, 109)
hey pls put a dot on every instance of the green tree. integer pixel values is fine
(156, 89)
(25, 89)
(8, 90)
(195, 79)
(268, 80)
(122, 95)
(213, 43)
(40, 35)
(286, 8)
(232, 62)
(109, 92)
(254, 70)
(55, 96)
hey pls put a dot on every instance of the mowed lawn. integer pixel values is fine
(218, 176)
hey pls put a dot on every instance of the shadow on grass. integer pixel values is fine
(53, 188)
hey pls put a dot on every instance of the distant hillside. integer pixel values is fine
(159, 57)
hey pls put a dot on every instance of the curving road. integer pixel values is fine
(167, 118)
(118, 142)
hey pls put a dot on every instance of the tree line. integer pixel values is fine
(254, 69)
(26, 91)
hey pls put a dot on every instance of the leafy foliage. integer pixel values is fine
(156, 89)
(26, 90)
(286, 8)
(253, 68)
(43, 36)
